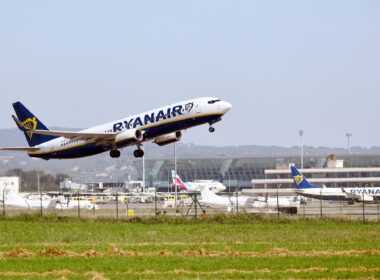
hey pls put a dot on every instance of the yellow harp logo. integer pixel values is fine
(298, 179)
(30, 124)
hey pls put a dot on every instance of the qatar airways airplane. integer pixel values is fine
(162, 126)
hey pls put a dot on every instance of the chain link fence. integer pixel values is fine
(122, 207)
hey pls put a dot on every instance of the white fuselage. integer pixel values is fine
(365, 194)
(155, 123)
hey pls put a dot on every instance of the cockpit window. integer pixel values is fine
(213, 101)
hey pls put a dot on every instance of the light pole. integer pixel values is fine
(348, 135)
(301, 135)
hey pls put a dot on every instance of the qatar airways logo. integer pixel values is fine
(153, 117)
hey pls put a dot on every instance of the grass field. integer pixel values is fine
(215, 248)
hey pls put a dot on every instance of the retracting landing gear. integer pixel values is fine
(138, 153)
(211, 123)
(115, 153)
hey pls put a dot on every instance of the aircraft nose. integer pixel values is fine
(225, 106)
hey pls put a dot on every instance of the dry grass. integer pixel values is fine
(117, 252)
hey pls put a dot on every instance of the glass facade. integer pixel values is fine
(239, 172)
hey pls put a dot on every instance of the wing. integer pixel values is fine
(350, 195)
(77, 135)
(19, 149)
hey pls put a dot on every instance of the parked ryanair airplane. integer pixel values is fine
(304, 188)
(162, 126)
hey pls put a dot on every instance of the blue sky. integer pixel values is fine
(284, 65)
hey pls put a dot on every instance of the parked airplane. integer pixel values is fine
(284, 204)
(73, 204)
(304, 188)
(210, 198)
(15, 200)
(162, 126)
(214, 186)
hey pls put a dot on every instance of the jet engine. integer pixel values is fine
(365, 198)
(130, 134)
(168, 138)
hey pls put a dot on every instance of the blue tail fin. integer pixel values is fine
(26, 120)
(300, 182)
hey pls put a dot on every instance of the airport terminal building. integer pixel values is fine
(264, 172)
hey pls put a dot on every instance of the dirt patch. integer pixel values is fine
(310, 269)
(63, 273)
(19, 253)
(94, 275)
(278, 252)
(357, 269)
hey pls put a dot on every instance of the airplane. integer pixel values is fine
(162, 126)
(65, 204)
(209, 198)
(214, 186)
(304, 188)
(15, 200)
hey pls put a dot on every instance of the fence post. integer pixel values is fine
(196, 206)
(320, 202)
(363, 210)
(41, 213)
(117, 206)
(237, 197)
(78, 205)
(3, 201)
(304, 210)
(155, 201)
(278, 206)
(128, 207)
(378, 212)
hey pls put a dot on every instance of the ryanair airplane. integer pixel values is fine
(304, 188)
(162, 126)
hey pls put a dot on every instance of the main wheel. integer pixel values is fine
(141, 153)
(115, 153)
(138, 153)
(211, 129)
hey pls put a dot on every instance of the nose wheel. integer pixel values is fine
(138, 153)
(115, 153)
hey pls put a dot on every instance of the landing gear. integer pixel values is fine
(115, 153)
(138, 153)
(211, 123)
